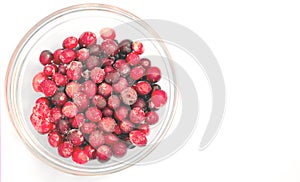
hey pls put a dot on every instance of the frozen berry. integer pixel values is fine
(120, 85)
(125, 46)
(104, 153)
(93, 114)
(143, 88)
(144, 128)
(99, 101)
(65, 149)
(109, 47)
(151, 117)
(74, 70)
(110, 139)
(89, 88)
(80, 156)
(129, 96)
(107, 33)
(105, 89)
(107, 124)
(153, 74)
(37, 80)
(138, 138)
(87, 38)
(82, 54)
(92, 62)
(54, 138)
(145, 63)
(121, 113)
(159, 98)
(137, 47)
(119, 149)
(126, 126)
(122, 66)
(77, 121)
(112, 77)
(137, 72)
(95, 49)
(60, 79)
(75, 137)
(107, 112)
(67, 55)
(88, 128)
(90, 151)
(55, 114)
(133, 59)
(137, 115)
(70, 42)
(59, 99)
(46, 57)
(96, 139)
(69, 109)
(73, 88)
(113, 102)
(48, 87)
(97, 75)
(50, 69)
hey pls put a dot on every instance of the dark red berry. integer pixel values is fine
(89, 88)
(143, 88)
(140, 103)
(107, 124)
(108, 69)
(90, 151)
(138, 138)
(122, 66)
(97, 75)
(48, 87)
(37, 80)
(99, 101)
(74, 70)
(113, 102)
(144, 128)
(77, 121)
(151, 117)
(117, 130)
(69, 109)
(120, 85)
(153, 74)
(56, 56)
(107, 61)
(87, 38)
(137, 72)
(88, 128)
(46, 57)
(96, 139)
(63, 126)
(55, 114)
(137, 115)
(60, 79)
(159, 98)
(126, 126)
(119, 149)
(121, 113)
(104, 153)
(125, 46)
(50, 69)
(128, 96)
(112, 77)
(65, 149)
(42, 100)
(92, 62)
(82, 54)
(109, 47)
(67, 55)
(62, 69)
(137, 47)
(110, 139)
(105, 89)
(42, 125)
(107, 33)
(107, 112)
(145, 63)
(95, 49)
(81, 100)
(70, 42)
(133, 59)
(54, 138)
(80, 156)
(73, 88)
(75, 137)
(93, 114)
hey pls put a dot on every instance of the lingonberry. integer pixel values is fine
(48, 87)
(133, 59)
(56, 56)
(90, 151)
(73, 88)
(99, 101)
(62, 69)
(137, 72)
(153, 74)
(37, 80)
(67, 55)
(104, 153)
(59, 99)
(107, 61)
(107, 112)
(122, 66)
(140, 102)
(89, 88)
(143, 88)
(138, 47)
(46, 57)
(107, 33)
(83, 54)
(80, 156)
(117, 130)
(55, 138)
(70, 42)
(96, 139)
(97, 75)
(60, 79)
(138, 138)
(128, 96)
(119, 149)
(126, 126)
(93, 114)
(75, 136)
(55, 114)
(43, 100)
(63, 126)
(105, 89)
(137, 115)
(110, 139)
(159, 98)
(151, 117)
(95, 49)
(88, 127)
(113, 102)
(144, 128)
(74, 70)
(69, 109)
(125, 46)
(145, 63)
(107, 124)
(112, 77)
(50, 69)
(120, 85)
(109, 47)
(108, 69)
(121, 113)
(92, 62)
(65, 149)
(87, 38)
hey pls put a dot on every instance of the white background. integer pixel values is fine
(257, 45)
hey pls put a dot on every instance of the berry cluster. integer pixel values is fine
(99, 98)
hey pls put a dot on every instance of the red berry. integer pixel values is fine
(75, 137)
(82, 54)
(48, 87)
(105, 89)
(87, 39)
(77, 121)
(152, 117)
(138, 138)
(122, 66)
(81, 100)
(145, 63)
(120, 85)
(50, 69)
(73, 88)
(109, 47)
(96, 139)
(65, 149)
(88, 128)
(70, 109)
(113, 102)
(55, 114)
(107, 124)
(153, 74)
(121, 113)
(159, 98)
(126, 126)
(95, 49)
(59, 99)
(117, 130)
(42, 100)
(125, 46)
(137, 72)
(107, 33)
(128, 96)
(74, 70)
(92, 62)
(93, 114)
(137, 47)
(137, 115)
(46, 57)
(110, 139)
(63, 126)
(144, 128)
(119, 149)
(112, 77)
(108, 69)
(42, 125)
(89, 88)
(60, 79)
(143, 88)
(37, 80)
(133, 59)
(80, 156)
(107, 112)
(56, 56)
(67, 55)
(104, 153)
(54, 138)
(70, 42)
(107, 61)
(140, 103)
(99, 101)
(62, 69)
(97, 75)
(90, 151)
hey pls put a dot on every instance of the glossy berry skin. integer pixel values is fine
(48, 87)
(145, 63)
(107, 33)
(159, 98)
(43, 101)
(46, 57)
(104, 153)
(67, 55)
(138, 138)
(59, 99)
(54, 138)
(37, 80)
(80, 156)
(65, 149)
(143, 88)
(70, 42)
(56, 56)
(153, 74)
(133, 59)
(138, 47)
(63, 126)
(125, 46)
(87, 39)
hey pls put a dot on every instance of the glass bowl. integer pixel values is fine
(48, 34)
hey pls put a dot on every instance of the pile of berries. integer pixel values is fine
(99, 97)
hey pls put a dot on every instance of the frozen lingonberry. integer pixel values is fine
(50, 69)
(107, 61)
(105, 89)
(90, 151)
(81, 100)
(74, 70)
(69, 109)
(75, 137)
(88, 127)
(70, 43)
(145, 63)
(37, 80)
(117, 130)
(104, 153)
(138, 47)
(107, 112)
(122, 66)
(87, 39)
(125, 46)
(67, 55)
(46, 57)
(108, 69)
(119, 149)
(143, 88)
(77, 121)
(65, 149)
(60, 79)
(107, 33)
(56, 56)
(89, 88)
(133, 59)
(128, 96)
(138, 138)
(113, 102)
(99, 101)
(97, 75)
(96, 139)
(54, 138)
(95, 49)
(48, 87)
(63, 126)
(85, 74)
(159, 98)
(73, 88)
(42, 125)
(137, 72)
(144, 128)
(109, 47)
(126, 126)
(140, 102)
(59, 99)
(110, 139)
(42, 110)
(55, 114)
(92, 62)
(120, 85)
(107, 124)
(93, 114)
(83, 54)
(153, 74)
(151, 117)
(137, 115)
(80, 156)
(43, 100)
(62, 69)
(112, 77)
(121, 113)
